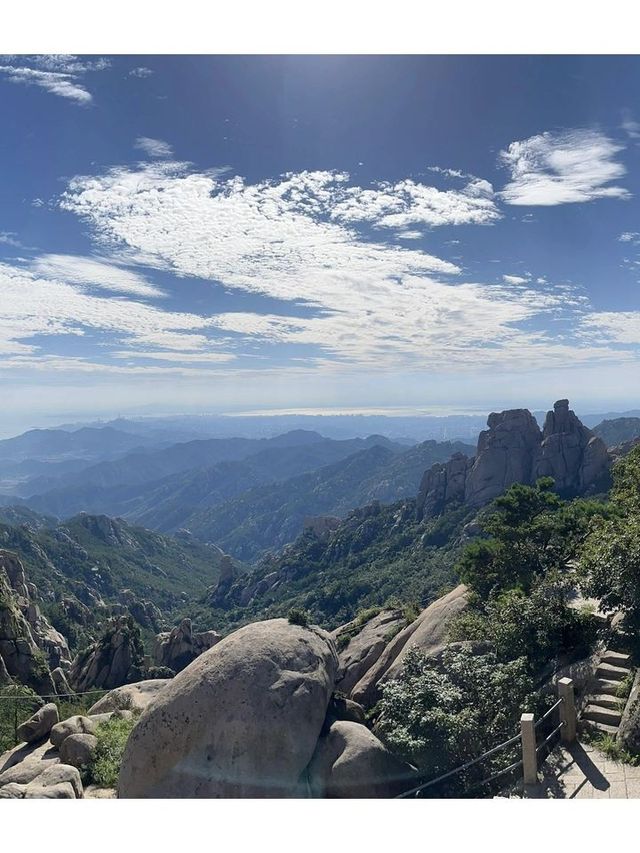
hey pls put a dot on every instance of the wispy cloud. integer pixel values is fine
(59, 74)
(141, 71)
(94, 272)
(514, 279)
(153, 147)
(56, 83)
(9, 238)
(563, 168)
(296, 239)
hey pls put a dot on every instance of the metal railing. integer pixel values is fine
(530, 749)
(35, 700)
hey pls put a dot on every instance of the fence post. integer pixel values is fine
(529, 757)
(567, 710)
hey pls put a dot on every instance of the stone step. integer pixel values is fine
(592, 725)
(616, 658)
(611, 672)
(603, 685)
(606, 701)
(599, 714)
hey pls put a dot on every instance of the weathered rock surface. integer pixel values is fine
(442, 484)
(132, 697)
(60, 681)
(365, 646)
(25, 762)
(76, 725)
(629, 728)
(180, 646)
(39, 725)
(77, 750)
(109, 662)
(242, 720)
(350, 762)
(22, 659)
(427, 633)
(514, 450)
(322, 526)
(59, 782)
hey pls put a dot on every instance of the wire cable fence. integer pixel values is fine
(533, 750)
(33, 702)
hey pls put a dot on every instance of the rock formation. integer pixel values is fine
(350, 761)
(428, 633)
(321, 525)
(20, 654)
(242, 720)
(177, 648)
(360, 646)
(132, 697)
(110, 662)
(514, 450)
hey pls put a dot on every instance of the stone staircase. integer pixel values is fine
(605, 704)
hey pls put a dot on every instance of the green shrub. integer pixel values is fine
(296, 616)
(112, 738)
(12, 711)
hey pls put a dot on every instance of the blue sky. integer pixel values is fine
(348, 233)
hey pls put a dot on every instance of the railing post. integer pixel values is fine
(567, 710)
(529, 757)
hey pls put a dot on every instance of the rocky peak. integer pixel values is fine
(514, 450)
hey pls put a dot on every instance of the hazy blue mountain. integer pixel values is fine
(618, 430)
(161, 489)
(269, 516)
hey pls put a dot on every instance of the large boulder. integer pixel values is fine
(177, 648)
(59, 782)
(351, 762)
(129, 697)
(78, 750)
(39, 725)
(76, 725)
(25, 762)
(360, 645)
(242, 720)
(428, 633)
(442, 484)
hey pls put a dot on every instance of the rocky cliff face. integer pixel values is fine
(514, 450)
(29, 645)
(115, 659)
(177, 648)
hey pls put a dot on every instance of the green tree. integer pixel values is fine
(528, 532)
(610, 560)
(440, 715)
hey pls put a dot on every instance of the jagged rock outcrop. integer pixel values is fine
(569, 452)
(322, 526)
(514, 450)
(242, 720)
(351, 762)
(177, 648)
(110, 662)
(22, 659)
(444, 483)
(428, 633)
(146, 613)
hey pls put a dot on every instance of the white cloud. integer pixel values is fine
(371, 303)
(408, 203)
(56, 83)
(409, 235)
(33, 306)
(153, 147)
(629, 237)
(9, 238)
(94, 272)
(619, 327)
(562, 168)
(141, 71)
(514, 279)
